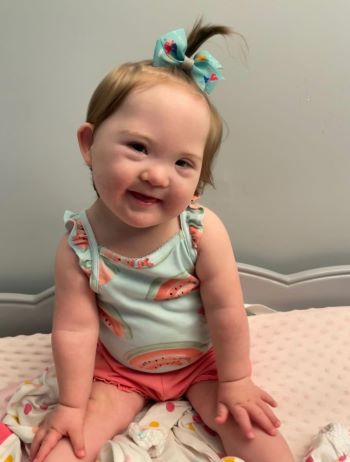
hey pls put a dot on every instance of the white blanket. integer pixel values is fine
(170, 431)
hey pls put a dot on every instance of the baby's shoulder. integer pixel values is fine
(65, 257)
(68, 273)
(202, 215)
(214, 230)
(210, 219)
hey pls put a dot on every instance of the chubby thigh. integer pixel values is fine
(109, 413)
(263, 448)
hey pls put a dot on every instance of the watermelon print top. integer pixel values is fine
(151, 315)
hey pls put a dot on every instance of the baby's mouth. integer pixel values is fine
(144, 198)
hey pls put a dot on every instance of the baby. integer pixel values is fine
(148, 300)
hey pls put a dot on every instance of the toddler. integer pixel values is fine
(148, 302)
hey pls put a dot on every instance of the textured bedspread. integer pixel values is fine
(300, 357)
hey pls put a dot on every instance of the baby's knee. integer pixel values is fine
(263, 447)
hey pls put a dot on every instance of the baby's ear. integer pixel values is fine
(85, 136)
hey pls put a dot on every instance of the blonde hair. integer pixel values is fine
(115, 87)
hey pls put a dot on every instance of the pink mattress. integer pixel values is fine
(301, 357)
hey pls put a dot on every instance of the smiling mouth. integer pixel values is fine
(144, 199)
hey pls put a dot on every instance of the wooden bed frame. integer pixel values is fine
(317, 288)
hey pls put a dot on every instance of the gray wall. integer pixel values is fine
(282, 175)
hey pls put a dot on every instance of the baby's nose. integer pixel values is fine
(156, 175)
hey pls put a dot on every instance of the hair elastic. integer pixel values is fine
(187, 64)
(203, 67)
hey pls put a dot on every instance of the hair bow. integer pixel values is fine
(203, 67)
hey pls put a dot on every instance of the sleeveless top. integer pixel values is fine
(150, 310)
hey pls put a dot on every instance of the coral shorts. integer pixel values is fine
(158, 387)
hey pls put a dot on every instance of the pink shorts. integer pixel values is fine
(158, 387)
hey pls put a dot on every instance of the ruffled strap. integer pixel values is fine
(192, 226)
(82, 241)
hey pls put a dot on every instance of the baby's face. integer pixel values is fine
(146, 158)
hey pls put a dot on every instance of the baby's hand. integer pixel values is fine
(62, 421)
(246, 403)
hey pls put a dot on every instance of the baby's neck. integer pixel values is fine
(115, 235)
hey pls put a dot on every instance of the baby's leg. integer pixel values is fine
(263, 448)
(109, 412)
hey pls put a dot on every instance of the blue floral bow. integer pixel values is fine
(204, 68)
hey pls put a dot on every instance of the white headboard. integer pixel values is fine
(319, 287)
(27, 314)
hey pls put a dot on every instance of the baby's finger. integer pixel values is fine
(48, 443)
(39, 436)
(268, 399)
(242, 419)
(260, 417)
(271, 415)
(77, 440)
(221, 413)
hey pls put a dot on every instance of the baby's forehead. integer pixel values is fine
(167, 100)
(166, 95)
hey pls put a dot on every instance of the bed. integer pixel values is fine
(300, 353)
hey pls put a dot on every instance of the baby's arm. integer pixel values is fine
(74, 339)
(223, 303)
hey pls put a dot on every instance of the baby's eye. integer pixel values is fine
(183, 163)
(138, 147)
